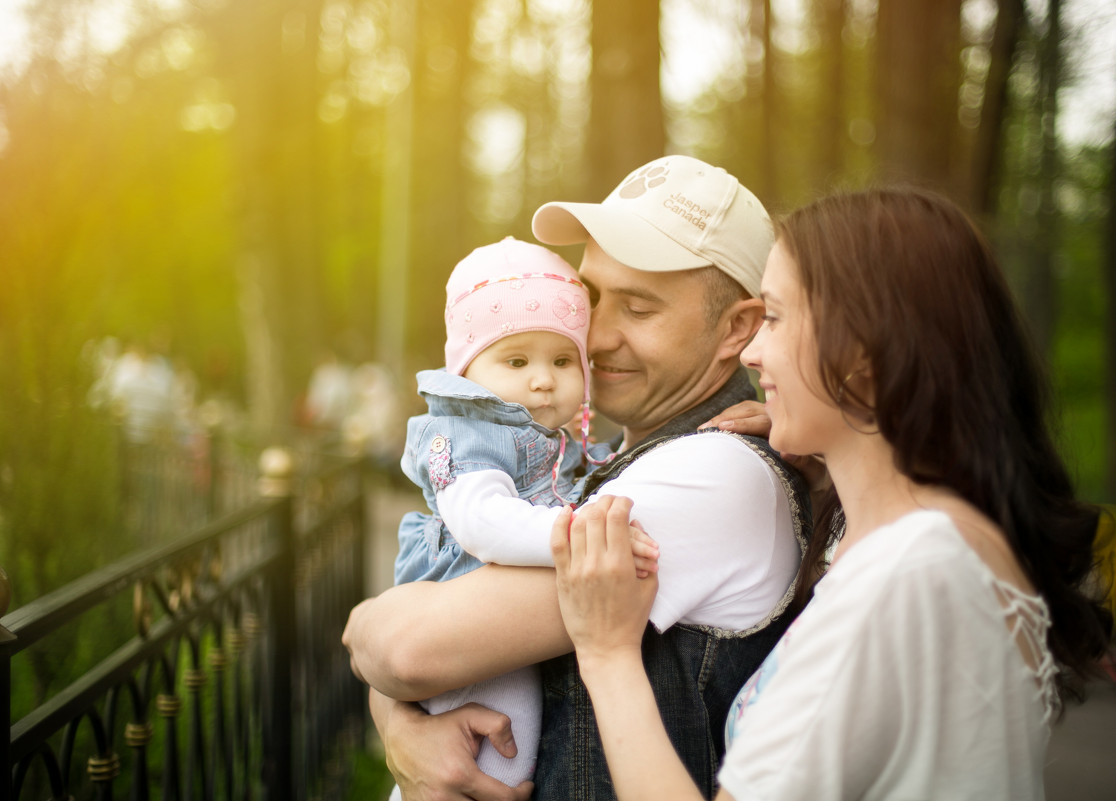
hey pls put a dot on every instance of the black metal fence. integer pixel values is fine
(232, 682)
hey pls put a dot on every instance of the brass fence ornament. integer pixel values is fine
(276, 469)
(103, 768)
(235, 639)
(195, 678)
(5, 592)
(215, 563)
(251, 626)
(137, 735)
(141, 609)
(168, 706)
(185, 575)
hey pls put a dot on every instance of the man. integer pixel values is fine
(673, 261)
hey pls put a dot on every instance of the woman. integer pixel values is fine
(927, 663)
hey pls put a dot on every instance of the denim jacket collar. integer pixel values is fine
(454, 395)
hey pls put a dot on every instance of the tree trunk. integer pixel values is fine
(831, 118)
(986, 162)
(269, 51)
(1041, 288)
(440, 184)
(396, 176)
(1110, 328)
(626, 125)
(917, 79)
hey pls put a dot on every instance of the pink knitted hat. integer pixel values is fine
(508, 288)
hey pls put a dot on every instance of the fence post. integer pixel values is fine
(210, 413)
(6, 637)
(356, 442)
(278, 757)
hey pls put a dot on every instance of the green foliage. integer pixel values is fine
(369, 778)
(226, 185)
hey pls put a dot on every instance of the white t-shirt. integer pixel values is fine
(900, 680)
(727, 549)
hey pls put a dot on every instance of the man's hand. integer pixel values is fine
(434, 757)
(352, 640)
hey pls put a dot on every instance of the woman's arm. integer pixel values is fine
(491, 620)
(605, 607)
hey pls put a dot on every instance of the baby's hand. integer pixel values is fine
(645, 550)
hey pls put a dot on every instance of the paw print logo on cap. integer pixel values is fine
(647, 178)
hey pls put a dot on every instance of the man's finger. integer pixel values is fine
(485, 788)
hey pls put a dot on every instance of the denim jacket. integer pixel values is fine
(695, 671)
(468, 428)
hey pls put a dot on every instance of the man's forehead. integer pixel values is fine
(601, 273)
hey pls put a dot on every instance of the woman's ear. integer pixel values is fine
(741, 320)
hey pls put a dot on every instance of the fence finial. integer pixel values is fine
(276, 467)
(5, 592)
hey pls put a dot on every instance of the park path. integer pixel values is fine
(1081, 761)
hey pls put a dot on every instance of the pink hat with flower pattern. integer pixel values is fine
(511, 287)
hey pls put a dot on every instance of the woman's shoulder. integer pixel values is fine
(920, 550)
(917, 537)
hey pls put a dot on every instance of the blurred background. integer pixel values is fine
(228, 223)
(216, 210)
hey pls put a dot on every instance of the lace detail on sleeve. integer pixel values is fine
(1028, 620)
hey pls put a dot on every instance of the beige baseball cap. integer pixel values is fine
(675, 213)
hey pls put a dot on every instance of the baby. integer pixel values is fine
(491, 456)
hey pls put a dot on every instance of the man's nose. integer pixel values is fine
(604, 336)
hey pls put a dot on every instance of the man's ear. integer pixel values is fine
(740, 322)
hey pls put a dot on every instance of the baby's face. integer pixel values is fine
(539, 369)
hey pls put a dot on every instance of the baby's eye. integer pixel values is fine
(562, 361)
(517, 362)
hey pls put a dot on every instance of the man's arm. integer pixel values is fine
(418, 640)
(434, 757)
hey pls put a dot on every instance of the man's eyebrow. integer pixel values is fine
(637, 292)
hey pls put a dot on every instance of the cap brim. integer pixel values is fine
(624, 236)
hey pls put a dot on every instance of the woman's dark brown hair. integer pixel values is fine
(900, 279)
